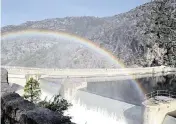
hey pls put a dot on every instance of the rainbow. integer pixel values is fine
(74, 38)
(65, 36)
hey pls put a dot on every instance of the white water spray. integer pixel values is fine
(82, 115)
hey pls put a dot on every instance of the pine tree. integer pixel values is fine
(32, 90)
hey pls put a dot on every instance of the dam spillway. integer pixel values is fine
(114, 93)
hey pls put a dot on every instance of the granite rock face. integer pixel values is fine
(122, 35)
(4, 75)
(16, 110)
(5, 85)
(4, 81)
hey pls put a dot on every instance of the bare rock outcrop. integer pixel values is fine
(4, 81)
(122, 35)
(4, 75)
(16, 110)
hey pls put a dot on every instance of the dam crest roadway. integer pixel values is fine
(101, 74)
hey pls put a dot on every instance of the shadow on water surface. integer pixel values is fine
(126, 90)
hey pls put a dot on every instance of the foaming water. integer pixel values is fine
(82, 115)
(88, 108)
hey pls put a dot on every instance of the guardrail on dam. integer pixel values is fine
(87, 73)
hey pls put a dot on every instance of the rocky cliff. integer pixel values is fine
(16, 110)
(120, 34)
(4, 81)
(123, 35)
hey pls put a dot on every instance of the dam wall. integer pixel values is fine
(131, 114)
(123, 90)
(130, 91)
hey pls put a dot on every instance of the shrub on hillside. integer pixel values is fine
(57, 104)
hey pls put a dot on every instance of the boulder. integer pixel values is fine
(16, 110)
(4, 76)
(4, 81)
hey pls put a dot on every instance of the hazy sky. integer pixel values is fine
(19, 11)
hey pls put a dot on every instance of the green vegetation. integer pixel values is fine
(32, 90)
(57, 104)
(162, 32)
(32, 93)
(169, 83)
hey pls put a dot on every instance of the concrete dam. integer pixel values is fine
(113, 91)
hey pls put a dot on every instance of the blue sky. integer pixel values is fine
(20, 11)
